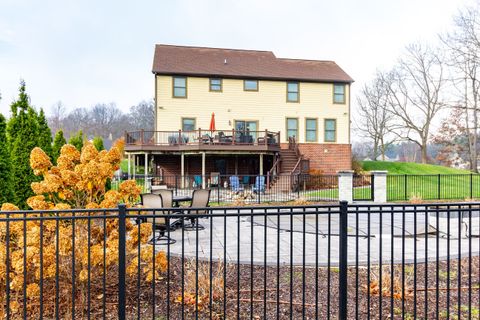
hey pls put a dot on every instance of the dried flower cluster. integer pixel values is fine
(71, 254)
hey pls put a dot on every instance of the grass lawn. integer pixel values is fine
(410, 168)
(426, 181)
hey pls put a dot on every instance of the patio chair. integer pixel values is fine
(214, 178)
(235, 184)
(160, 224)
(259, 185)
(200, 199)
(198, 181)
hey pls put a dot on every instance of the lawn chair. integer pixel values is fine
(200, 199)
(259, 185)
(235, 184)
(154, 201)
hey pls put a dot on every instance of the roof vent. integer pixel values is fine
(225, 61)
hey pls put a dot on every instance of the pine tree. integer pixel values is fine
(26, 138)
(44, 134)
(77, 140)
(16, 107)
(98, 143)
(58, 143)
(6, 191)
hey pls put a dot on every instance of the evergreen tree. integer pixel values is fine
(26, 138)
(44, 134)
(98, 143)
(6, 191)
(77, 140)
(58, 143)
(22, 103)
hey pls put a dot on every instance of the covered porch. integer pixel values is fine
(200, 169)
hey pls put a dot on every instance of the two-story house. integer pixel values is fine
(244, 112)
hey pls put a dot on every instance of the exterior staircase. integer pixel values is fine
(283, 180)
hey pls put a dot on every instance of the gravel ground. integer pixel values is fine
(299, 295)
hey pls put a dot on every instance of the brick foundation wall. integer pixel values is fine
(328, 157)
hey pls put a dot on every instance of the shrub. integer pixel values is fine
(77, 181)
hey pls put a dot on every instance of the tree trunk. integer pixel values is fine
(423, 148)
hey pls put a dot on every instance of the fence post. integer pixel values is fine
(471, 185)
(176, 185)
(343, 261)
(121, 260)
(405, 188)
(438, 187)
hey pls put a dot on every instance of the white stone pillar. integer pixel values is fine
(379, 186)
(345, 185)
(203, 170)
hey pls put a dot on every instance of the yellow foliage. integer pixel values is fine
(41, 247)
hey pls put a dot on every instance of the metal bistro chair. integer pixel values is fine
(160, 224)
(200, 199)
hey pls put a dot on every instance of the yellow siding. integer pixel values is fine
(268, 106)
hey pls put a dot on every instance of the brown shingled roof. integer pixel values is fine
(198, 61)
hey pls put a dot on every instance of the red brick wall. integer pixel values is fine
(328, 157)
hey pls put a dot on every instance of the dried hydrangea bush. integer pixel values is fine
(41, 252)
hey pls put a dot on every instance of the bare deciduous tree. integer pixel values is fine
(463, 45)
(414, 94)
(142, 116)
(375, 122)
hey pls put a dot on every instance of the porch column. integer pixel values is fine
(145, 182)
(128, 166)
(261, 164)
(203, 170)
(182, 170)
(134, 165)
(236, 165)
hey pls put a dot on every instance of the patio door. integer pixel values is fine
(246, 131)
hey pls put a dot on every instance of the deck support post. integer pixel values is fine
(134, 165)
(261, 164)
(129, 174)
(203, 170)
(182, 170)
(145, 182)
(236, 165)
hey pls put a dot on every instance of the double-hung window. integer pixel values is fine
(311, 130)
(339, 93)
(216, 85)
(188, 124)
(330, 130)
(292, 128)
(293, 92)
(179, 87)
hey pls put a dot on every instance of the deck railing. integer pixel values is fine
(203, 137)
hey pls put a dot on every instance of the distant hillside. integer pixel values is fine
(409, 168)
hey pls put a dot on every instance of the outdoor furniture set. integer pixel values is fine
(164, 199)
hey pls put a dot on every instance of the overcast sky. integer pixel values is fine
(85, 52)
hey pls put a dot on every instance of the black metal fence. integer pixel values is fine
(249, 188)
(318, 262)
(433, 186)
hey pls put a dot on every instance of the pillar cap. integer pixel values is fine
(379, 172)
(345, 172)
